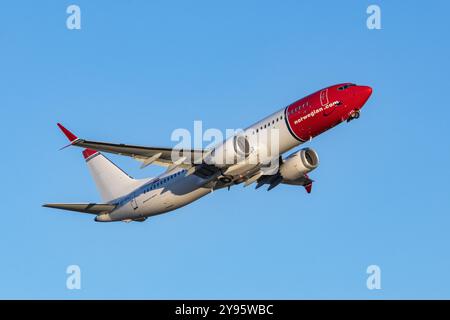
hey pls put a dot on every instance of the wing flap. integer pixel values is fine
(91, 208)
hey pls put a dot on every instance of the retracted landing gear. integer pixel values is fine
(354, 115)
(226, 179)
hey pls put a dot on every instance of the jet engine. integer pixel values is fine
(232, 151)
(296, 165)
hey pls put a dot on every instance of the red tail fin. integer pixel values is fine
(88, 152)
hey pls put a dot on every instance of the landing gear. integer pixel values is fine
(226, 181)
(354, 115)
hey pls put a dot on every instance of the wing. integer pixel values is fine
(162, 156)
(275, 179)
(92, 208)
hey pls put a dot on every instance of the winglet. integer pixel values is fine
(67, 133)
(87, 153)
(308, 187)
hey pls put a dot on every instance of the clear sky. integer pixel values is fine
(137, 70)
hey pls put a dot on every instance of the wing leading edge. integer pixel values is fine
(161, 156)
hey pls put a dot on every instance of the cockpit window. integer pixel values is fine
(346, 86)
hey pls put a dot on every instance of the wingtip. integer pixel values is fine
(67, 133)
(308, 187)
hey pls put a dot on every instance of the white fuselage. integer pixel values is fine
(175, 189)
(164, 193)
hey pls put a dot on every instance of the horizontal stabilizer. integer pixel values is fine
(92, 208)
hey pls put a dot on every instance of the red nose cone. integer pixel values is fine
(367, 91)
(363, 94)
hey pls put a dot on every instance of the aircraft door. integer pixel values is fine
(324, 97)
(324, 101)
(133, 202)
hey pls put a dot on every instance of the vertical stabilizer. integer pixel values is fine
(110, 180)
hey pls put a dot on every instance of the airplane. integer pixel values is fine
(195, 173)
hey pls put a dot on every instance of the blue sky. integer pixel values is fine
(137, 70)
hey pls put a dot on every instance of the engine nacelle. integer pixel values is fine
(232, 151)
(298, 164)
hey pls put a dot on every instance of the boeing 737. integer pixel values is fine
(193, 173)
